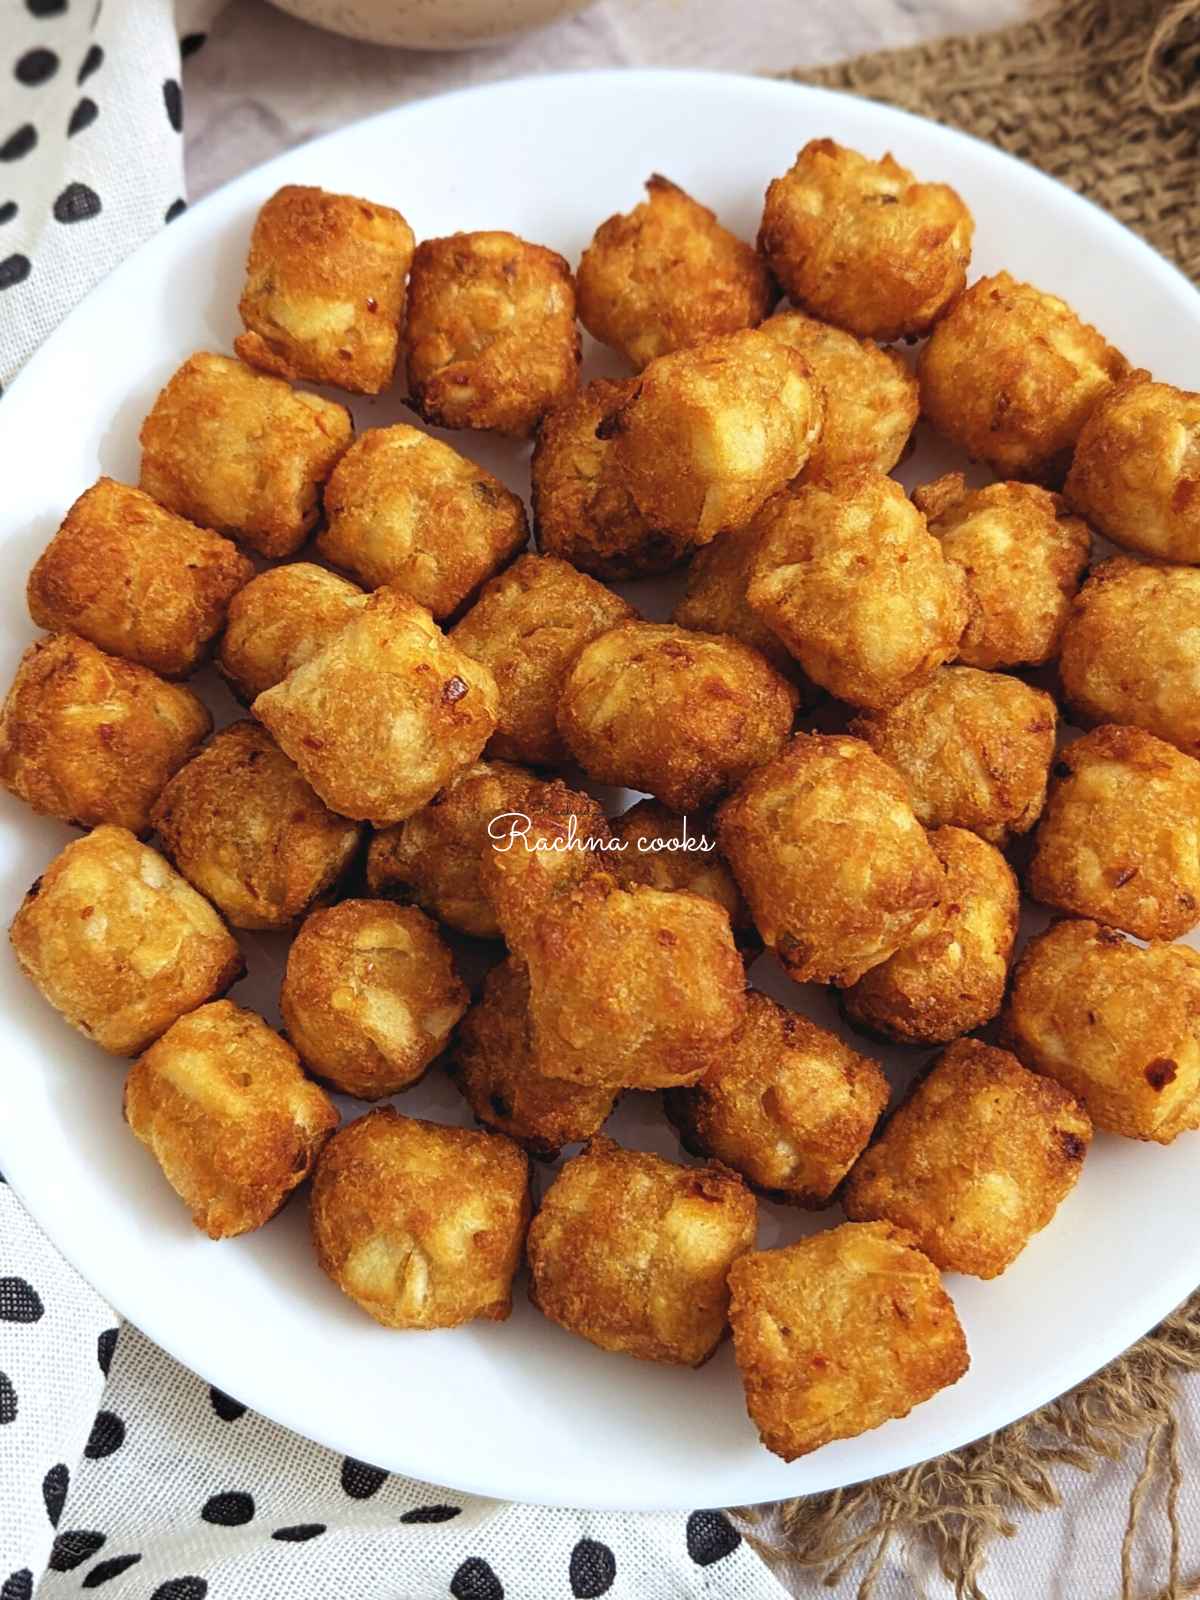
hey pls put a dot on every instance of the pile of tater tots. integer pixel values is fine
(855, 709)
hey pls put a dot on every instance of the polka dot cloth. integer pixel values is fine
(122, 1472)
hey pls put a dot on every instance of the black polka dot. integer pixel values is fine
(14, 269)
(106, 1343)
(77, 203)
(173, 100)
(190, 43)
(71, 1550)
(299, 1532)
(92, 62)
(84, 114)
(229, 1410)
(431, 1514)
(711, 1537)
(112, 1568)
(361, 1481)
(228, 1510)
(36, 66)
(8, 1399)
(54, 1491)
(181, 1589)
(19, 143)
(20, 1301)
(46, 8)
(593, 1568)
(107, 1435)
(17, 1586)
(175, 209)
(475, 1580)
(7, 212)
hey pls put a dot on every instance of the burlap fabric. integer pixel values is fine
(1104, 96)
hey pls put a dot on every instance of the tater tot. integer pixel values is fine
(119, 943)
(839, 1333)
(370, 996)
(492, 338)
(527, 627)
(851, 580)
(1116, 1023)
(837, 870)
(1011, 374)
(223, 1107)
(976, 1160)
(280, 620)
(496, 1068)
(420, 1225)
(1024, 556)
(871, 400)
(631, 1252)
(668, 275)
(136, 580)
(238, 451)
(582, 508)
(863, 244)
(245, 829)
(324, 294)
(1135, 474)
(684, 716)
(711, 432)
(88, 738)
(949, 977)
(1120, 836)
(974, 748)
(715, 602)
(384, 716)
(404, 509)
(434, 856)
(788, 1105)
(1131, 650)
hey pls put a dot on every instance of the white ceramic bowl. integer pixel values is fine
(430, 24)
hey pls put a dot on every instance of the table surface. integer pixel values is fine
(264, 82)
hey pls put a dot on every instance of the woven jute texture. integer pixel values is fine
(1104, 95)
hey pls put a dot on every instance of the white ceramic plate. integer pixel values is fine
(522, 1409)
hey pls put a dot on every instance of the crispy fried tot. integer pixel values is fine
(280, 620)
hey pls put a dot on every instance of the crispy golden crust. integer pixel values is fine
(582, 509)
(709, 433)
(527, 627)
(825, 847)
(1129, 650)
(494, 1064)
(434, 857)
(370, 996)
(492, 339)
(1011, 374)
(949, 977)
(89, 738)
(871, 397)
(235, 450)
(839, 1333)
(976, 1160)
(1119, 839)
(715, 602)
(1136, 469)
(685, 716)
(136, 580)
(851, 580)
(245, 829)
(118, 943)
(421, 1225)
(974, 748)
(386, 714)
(631, 1252)
(668, 275)
(788, 1105)
(324, 294)
(223, 1107)
(861, 243)
(407, 510)
(1117, 1023)
(1024, 556)
(280, 620)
